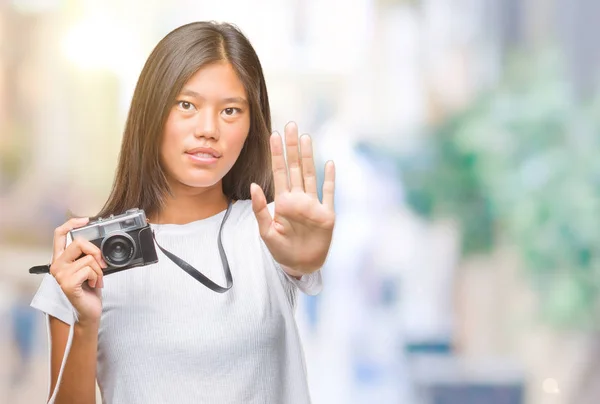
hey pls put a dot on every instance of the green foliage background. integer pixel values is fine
(522, 164)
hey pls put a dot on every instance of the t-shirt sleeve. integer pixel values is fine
(311, 284)
(50, 299)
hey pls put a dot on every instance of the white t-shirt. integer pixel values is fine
(166, 338)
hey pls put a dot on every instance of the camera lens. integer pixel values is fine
(118, 250)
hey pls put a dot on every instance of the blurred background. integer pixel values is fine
(465, 266)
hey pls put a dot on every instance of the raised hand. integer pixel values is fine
(299, 234)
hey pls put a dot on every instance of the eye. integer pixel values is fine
(231, 111)
(186, 106)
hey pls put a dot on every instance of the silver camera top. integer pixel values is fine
(130, 220)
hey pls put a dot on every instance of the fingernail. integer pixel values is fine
(104, 264)
(101, 283)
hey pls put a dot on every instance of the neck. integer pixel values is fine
(190, 204)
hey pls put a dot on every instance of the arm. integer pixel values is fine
(77, 269)
(78, 380)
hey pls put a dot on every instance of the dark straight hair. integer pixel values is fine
(140, 179)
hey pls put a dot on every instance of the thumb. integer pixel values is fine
(259, 206)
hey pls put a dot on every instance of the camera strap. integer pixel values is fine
(197, 275)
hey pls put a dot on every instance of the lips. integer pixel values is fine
(204, 152)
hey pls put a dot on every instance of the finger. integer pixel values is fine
(81, 246)
(84, 274)
(65, 272)
(308, 166)
(329, 185)
(261, 211)
(293, 161)
(60, 234)
(280, 175)
(90, 261)
(84, 261)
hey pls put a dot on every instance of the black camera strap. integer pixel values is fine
(197, 275)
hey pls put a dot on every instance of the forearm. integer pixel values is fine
(78, 381)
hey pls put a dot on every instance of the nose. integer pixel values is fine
(206, 124)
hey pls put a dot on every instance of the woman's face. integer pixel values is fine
(206, 128)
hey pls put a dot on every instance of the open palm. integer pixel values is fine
(299, 234)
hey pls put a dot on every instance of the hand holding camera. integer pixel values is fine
(99, 248)
(78, 270)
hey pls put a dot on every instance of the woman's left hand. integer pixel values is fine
(300, 234)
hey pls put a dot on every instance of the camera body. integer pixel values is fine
(125, 240)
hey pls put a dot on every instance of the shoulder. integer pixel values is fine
(242, 207)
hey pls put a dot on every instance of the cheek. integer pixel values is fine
(171, 144)
(175, 131)
(237, 136)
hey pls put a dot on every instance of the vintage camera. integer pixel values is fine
(125, 240)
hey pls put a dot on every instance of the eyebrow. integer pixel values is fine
(228, 100)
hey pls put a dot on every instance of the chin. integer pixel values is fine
(201, 182)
